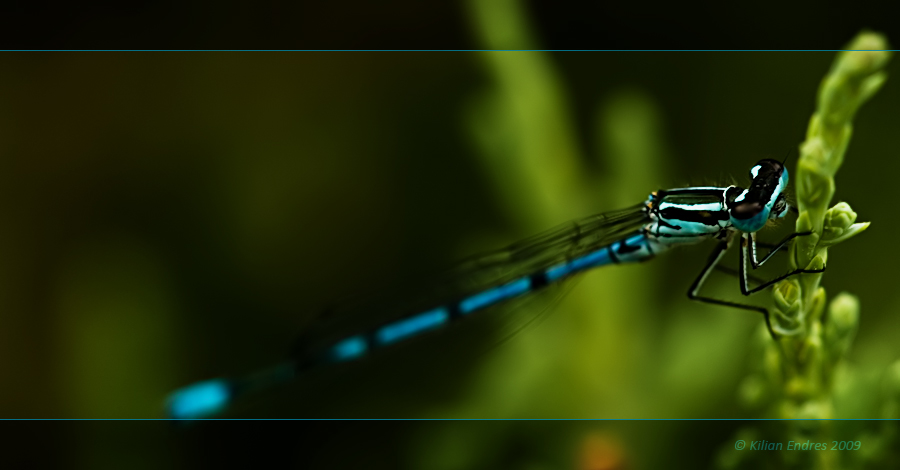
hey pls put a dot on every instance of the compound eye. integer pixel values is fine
(746, 210)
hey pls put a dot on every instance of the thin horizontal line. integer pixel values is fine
(451, 419)
(448, 50)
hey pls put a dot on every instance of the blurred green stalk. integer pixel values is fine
(580, 363)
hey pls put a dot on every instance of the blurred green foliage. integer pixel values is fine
(177, 216)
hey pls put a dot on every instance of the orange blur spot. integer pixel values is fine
(602, 452)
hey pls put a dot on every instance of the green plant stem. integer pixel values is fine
(815, 343)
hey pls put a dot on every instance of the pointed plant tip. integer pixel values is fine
(866, 55)
(868, 40)
(851, 231)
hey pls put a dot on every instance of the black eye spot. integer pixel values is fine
(746, 210)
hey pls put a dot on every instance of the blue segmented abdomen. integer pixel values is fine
(207, 398)
(637, 247)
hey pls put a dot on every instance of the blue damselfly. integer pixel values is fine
(666, 219)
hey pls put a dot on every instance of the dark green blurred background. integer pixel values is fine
(172, 217)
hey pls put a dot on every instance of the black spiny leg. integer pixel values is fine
(710, 265)
(772, 248)
(736, 273)
(747, 252)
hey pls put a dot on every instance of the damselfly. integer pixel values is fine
(666, 219)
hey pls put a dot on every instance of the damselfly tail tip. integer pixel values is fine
(200, 400)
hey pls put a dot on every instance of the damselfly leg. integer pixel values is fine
(745, 253)
(772, 248)
(711, 263)
(736, 273)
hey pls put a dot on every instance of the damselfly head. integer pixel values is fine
(763, 200)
